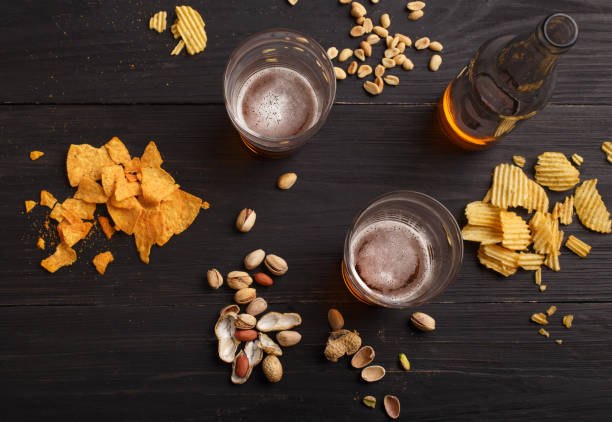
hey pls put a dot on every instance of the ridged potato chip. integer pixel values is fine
(543, 232)
(555, 171)
(566, 210)
(577, 246)
(530, 261)
(484, 235)
(590, 208)
(63, 256)
(158, 21)
(482, 214)
(35, 155)
(190, 26)
(577, 159)
(607, 148)
(538, 276)
(178, 48)
(515, 231)
(512, 188)
(519, 160)
(498, 259)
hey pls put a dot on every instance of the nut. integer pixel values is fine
(379, 71)
(551, 310)
(391, 80)
(373, 373)
(345, 54)
(415, 5)
(369, 401)
(379, 83)
(292, 2)
(340, 73)
(539, 318)
(416, 15)
(244, 296)
(367, 25)
(254, 259)
(263, 279)
(567, 320)
(422, 43)
(407, 64)
(404, 38)
(352, 342)
(286, 181)
(388, 40)
(360, 20)
(392, 406)
(288, 338)
(360, 54)
(336, 321)
(245, 335)
(423, 321)
(245, 322)
(242, 366)
(388, 63)
(404, 362)
(214, 278)
(357, 31)
(371, 88)
(436, 46)
(435, 62)
(391, 52)
(257, 306)
(364, 70)
(385, 20)
(373, 39)
(366, 47)
(399, 59)
(245, 220)
(344, 1)
(272, 368)
(380, 31)
(357, 10)
(332, 53)
(276, 265)
(352, 69)
(401, 46)
(239, 280)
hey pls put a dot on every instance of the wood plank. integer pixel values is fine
(160, 363)
(61, 51)
(341, 170)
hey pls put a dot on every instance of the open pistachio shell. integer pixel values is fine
(373, 373)
(230, 308)
(224, 330)
(253, 354)
(269, 346)
(392, 406)
(275, 321)
(363, 357)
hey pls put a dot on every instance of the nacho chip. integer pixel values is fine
(59, 213)
(530, 261)
(130, 177)
(84, 210)
(158, 21)
(590, 208)
(577, 159)
(148, 231)
(125, 218)
(554, 171)
(102, 260)
(125, 189)
(607, 148)
(515, 231)
(485, 257)
(117, 151)
(35, 155)
(71, 233)
(40, 243)
(190, 26)
(85, 160)
(90, 191)
(157, 184)
(47, 199)
(178, 48)
(482, 234)
(577, 246)
(151, 156)
(180, 210)
(29, 205)
(482, 214)
(109, 176)
(134, 165)
(63, 256)
(519, 160)
(106, 226)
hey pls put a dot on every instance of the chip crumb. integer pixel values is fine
(177, 50)
(63, 256)
(29, 205)
(40, 243)
(607, 148)
(538, 276)
(35, 155)
(539, 318)
(577, 159)
(102, 260)
(47, 199)
(551, 310)
(158, 21)
(519, 160)
(577, 246)
(106, 226)
(543, 287)
(559, 341)
(568, 320)
(544, 333)
(205, 205)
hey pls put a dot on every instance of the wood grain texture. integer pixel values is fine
(62, 51)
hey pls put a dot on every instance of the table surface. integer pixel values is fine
(137, 343)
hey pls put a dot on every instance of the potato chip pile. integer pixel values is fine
(189, 26)
(505, 236)
(141, 198)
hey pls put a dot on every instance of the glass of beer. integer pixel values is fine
(402, 250)
(279, 86)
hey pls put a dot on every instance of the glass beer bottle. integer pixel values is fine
(509, 79)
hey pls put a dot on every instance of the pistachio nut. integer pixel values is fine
(245, 322)
(286, 181)
(423, 321)
(245, 220)
(214, 278)
(254, 259)
(239, 280)
(369, 401)
(244, 296)
(257, 306)
(404, 362)
(276, 265)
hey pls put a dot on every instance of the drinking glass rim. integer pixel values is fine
(322, 118)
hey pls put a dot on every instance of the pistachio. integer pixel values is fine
(245, 220)
(422, 43)
(435, 62)
(340, 73)
(332, 53)
(345, 54)
(276, 265)
(239, 280)
(385, 20)
(366, 47)
(244, 296)
(352, 69)
(257, 306)
(391, 80)
(404, 362)
(367, 25)
(336, 321)
(364, 70)
(567, 321)
(360, 54)
(363, 357)
(379, 71)
(407, 64)
(254, 259)
(380, 31)
(392, 406)
(373, 373)
(369, 401)
(233, 308)
(539, 318)
(245, 322)
(371, 88)
(288, 338)
(357, 31)
(214, 277)
(357, 10)
(415, 5)
(272, 368)
(245, 335)
(436, 46)
(423, 321)
(263, 279)
(373, 39)
(415, 15)
(286, 181)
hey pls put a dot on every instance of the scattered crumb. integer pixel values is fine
(40, 243)
(559, 341)
(543, 332)
(29, 205)
(35, 155)
(205, 205)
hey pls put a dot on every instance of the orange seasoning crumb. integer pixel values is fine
(205, 205)
(47, 199)
(102, 260)
(40, 243)
(106, 226)
(29, 205)
(35, 155)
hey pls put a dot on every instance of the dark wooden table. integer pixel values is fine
(137, 343)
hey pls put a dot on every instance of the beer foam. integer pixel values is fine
(391, 257)
(277, 102)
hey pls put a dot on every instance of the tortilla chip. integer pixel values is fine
(125, 218)
(63, 256)
(80, 208)
(29, 205)
(47, 199)
(117, 151)
(71, 233)
(35, 155)
(102, 260)
(148, 231)
(40, 243)
(110, 175)
(125, 189)
(90, 191)
(130, 177)
(156, 184)
(134, 166)
(85, 160)
(106, 226)
(151, 156)
(180, 210)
